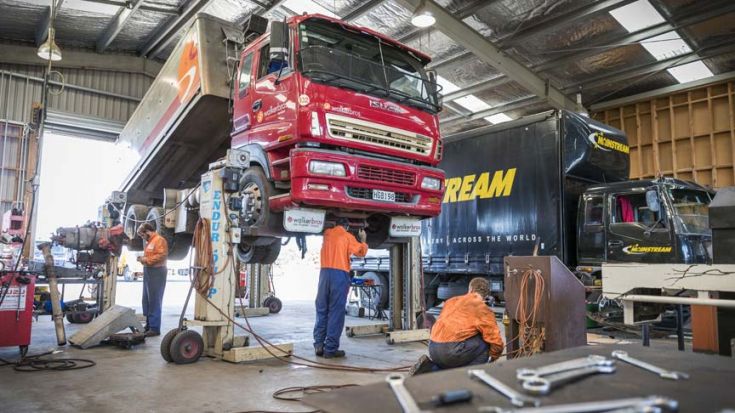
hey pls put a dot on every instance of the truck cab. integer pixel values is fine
(339, 121)
(648, 221)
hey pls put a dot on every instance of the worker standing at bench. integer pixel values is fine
(334, 284)
(465, 333)
(154, 277)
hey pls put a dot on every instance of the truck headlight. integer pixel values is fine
(327, 168)
(431, 183)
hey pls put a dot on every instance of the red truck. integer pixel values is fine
(338, 121)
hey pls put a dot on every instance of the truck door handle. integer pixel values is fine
(256, 105)
(615, 243)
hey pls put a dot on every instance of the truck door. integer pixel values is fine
(274, 102)
(639, 230)
(241, 112)
(591, 224)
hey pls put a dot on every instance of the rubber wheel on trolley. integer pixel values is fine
(84, 317)
(186, 347)
(274, 304)
(166, 344)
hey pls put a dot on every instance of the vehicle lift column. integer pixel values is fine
(257, 285)
(405, 297)
(217, 330)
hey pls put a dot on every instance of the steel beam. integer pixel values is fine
(477, 87)
(42, 28)
(630, 73)
(165, 35)
(71, 86)
(513, 105)
(361, 10)
(146, 7)
(491, 54)
(117, 24)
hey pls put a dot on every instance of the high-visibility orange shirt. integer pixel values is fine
(337, 247)
(155, 252)
(464, 317)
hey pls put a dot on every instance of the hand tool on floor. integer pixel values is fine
(578, 363)
(515, 397)
(634, 404)
(407, 402)
(544, 385)
(452, 397)
(663, 373)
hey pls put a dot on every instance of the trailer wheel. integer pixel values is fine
(135, 215)
(259, 254)
(186, 347)
(166, 344)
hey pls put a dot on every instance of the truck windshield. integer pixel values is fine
(691, 211)
(332, 54)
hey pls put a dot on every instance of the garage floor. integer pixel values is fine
(139, 380)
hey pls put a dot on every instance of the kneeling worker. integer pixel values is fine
(465, 333)
(334, 284)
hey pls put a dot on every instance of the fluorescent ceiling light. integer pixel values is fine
(638, 15)
(447, 86)
(307, 6)
(498, 118)
(690, 72)
(472, 103)
(666, 46)
(423, 19)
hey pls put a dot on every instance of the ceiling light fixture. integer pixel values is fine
(49, 50)
(422, 17)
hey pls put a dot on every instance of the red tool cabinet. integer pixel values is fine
(16, 309)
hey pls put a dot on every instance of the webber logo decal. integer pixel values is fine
(636, 249)
(603, 143)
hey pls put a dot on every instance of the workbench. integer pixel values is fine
(710, 388)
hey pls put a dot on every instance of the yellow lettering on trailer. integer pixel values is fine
(452, 186)
(466, 191)
(471, 187)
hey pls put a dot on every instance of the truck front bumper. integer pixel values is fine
(354, 191)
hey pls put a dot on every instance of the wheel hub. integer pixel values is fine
(252, 204)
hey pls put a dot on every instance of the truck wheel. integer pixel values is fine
(135, 215)
(155, 217)
(380, 294)
(180, 246)
(259, 254)
(377, 231)
(256, 191)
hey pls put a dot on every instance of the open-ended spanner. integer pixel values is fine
(544, 385)
(589, 361)
(516, 398)
(635, 403)
(663, 373)
(407, 402)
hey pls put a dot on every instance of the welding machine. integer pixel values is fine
(16, 309)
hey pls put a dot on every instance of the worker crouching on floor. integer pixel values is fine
(465, 333)
(334, 284)
(154, 277)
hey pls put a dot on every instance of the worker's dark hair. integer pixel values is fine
(145, 227)
(480, 286)
(343, 222)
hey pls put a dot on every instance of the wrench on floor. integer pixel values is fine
(663, 373)
(650, 403)
(544, 385)
(589, 361)
(515, 397)
(407, 402)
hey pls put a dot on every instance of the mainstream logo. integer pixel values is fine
(471, 187)
(636, 249)
(603, 143)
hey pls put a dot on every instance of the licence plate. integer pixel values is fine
(388, 196)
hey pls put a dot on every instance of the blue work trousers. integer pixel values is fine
(459, 354)
(331, 299)
(154, 283)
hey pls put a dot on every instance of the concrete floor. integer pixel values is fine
(139, 380)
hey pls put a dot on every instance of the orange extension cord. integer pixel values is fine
(530, 336)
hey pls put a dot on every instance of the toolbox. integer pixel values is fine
(16, 309)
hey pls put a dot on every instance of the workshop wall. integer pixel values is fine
(688, 135)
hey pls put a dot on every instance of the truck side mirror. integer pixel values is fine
(652, 200)
(279, 39)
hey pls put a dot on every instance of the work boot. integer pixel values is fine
(319, 350)
(424, 365)
(336, 354)
(152, 333)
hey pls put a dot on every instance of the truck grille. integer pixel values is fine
(393, 176)
(378, 135)
(365, 193)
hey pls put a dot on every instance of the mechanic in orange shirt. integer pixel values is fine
(465, 333)
(334, 284)
(154, 277)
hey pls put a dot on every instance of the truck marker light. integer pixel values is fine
(285, 138)
(316, 129)
(327, 106)
(434, 200)
(470, 187)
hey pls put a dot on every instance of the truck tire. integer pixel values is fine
(377, 231)
(259, 254)
(256, 186)
(155, 217)
(135, 215)
(180, 246)
(380, 299)
(451, 289)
